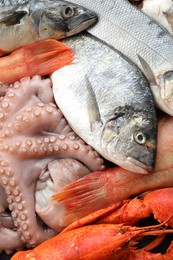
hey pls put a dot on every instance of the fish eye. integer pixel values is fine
(67, 12)
(140, 138)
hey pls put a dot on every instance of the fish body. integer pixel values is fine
(159, 10)
(26, 21)
(141, 39)
(108, 103)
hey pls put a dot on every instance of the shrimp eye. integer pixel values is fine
(140, 138)
(68, 12)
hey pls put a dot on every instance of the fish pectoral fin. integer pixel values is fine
(93, 108)
(147, 70)
(13, 18)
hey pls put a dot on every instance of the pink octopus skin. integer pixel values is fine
(33, 132)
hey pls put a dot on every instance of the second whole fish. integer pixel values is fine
(108, 103)
(142, 40)
(27, 21)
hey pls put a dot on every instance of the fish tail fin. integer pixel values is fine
(46, 56)
(81, 197)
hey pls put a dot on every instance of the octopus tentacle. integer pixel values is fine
(9, 240)
(33, 132)
(41, 117)
(18, 194)
(60, 146)
(22, 209)
(18, 95)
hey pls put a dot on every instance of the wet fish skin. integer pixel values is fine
(135, 34)
(23, 22)
(159, 10)
(108, 103)
(12, 2)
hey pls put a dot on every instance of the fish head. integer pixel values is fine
(163, 92)
(131, 142)
(60, 19)
(161, 86)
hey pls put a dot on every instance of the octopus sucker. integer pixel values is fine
(34, 136)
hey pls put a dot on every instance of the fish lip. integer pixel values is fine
(84, 25)
(163, 92)
(160, 101)
(137, 166)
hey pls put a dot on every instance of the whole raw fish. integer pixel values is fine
(26, 21)
(159, 10)
(142, 40)
(107, 101)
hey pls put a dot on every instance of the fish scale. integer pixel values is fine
(12, 2)
(129, 34)
(142, 40)
(159, 10)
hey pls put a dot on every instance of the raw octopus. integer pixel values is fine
(33, 134)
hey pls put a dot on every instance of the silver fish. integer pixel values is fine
(108, 102)
(23, 22)
(141, 39)
(159, 10)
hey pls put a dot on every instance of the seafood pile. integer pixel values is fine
(95, 237)
(86, 129)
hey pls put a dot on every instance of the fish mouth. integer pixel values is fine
(81, 27)
(163, 92)
(163, 102)
(138, 167)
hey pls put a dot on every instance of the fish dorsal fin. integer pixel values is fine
(13, 18)
(93, 108)
(147, 71)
